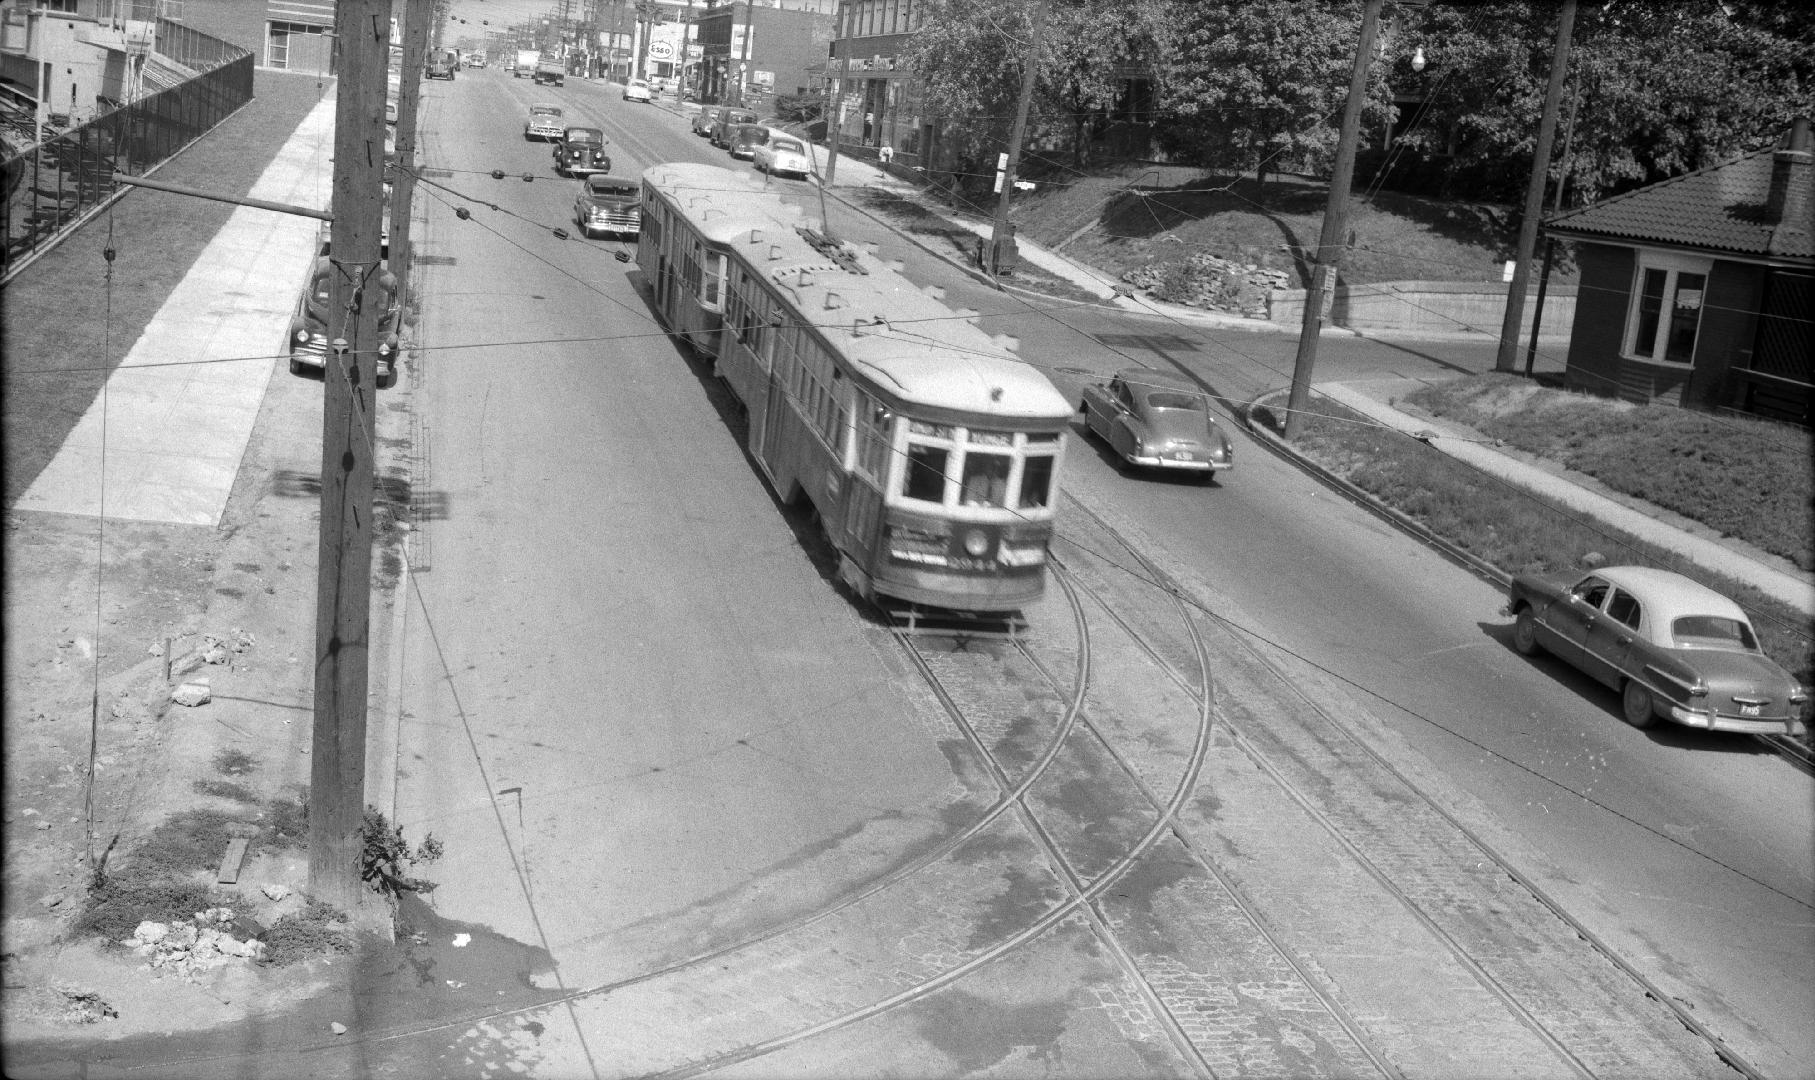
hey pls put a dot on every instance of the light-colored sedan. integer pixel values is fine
(1674, 648)
(783, 154)
(638, 90)
(544, 122)
(1157, 420)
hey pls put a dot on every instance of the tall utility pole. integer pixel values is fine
(417, 15)
(835, 101)
(1507, 359)
(743, 63)
(344, 583)
(1030, 72)
(1335, 222)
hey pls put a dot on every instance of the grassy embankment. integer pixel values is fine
(1743, 478)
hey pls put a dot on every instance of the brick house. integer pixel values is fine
(1700, 290)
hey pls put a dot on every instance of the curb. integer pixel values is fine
(1265, 435)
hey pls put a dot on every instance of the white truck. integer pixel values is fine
(527, 59)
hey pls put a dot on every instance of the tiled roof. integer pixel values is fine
(1722, 207)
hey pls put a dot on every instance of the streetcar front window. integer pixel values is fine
(1036, 480)
(986, 479)
(925, 478)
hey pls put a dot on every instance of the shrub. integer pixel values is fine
(386, 858)
(116, 905)
(318, 929)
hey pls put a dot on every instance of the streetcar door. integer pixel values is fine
(772, 416)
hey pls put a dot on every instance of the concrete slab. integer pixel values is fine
(163, 440)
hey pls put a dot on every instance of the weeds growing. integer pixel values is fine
(318, 929)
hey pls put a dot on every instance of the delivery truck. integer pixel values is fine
(527, 59)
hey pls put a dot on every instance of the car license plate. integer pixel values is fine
(1748, 710)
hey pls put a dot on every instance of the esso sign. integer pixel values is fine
(661, 50)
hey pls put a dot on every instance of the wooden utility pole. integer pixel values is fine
(835, 101)
(1030, 72)
(344, 583)
(1335, 222)
(416, 19)
(1507, 359)
(743, 63)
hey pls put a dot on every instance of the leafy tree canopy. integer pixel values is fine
(969, 56)
(1656, 90)
(1259, 85)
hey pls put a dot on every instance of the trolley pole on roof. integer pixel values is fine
(344, 573)
(1030, 71)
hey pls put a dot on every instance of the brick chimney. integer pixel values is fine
(1792, 192)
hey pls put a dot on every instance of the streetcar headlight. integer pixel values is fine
(976, 543)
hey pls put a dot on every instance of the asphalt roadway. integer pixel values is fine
(759, 743)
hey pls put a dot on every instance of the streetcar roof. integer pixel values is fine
(909, 346)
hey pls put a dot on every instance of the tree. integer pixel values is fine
(968, 56)
(1658, 90)
(1259, 85)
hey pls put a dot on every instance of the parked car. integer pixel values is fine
(745, 138)
(783, 154)
(581, 152)
(638, 90)
(704, 119)
(724, 120)
(1675, 649)
(309, 326)
(1157, 420)
(544, 122)
(441, 66)
(607, 205)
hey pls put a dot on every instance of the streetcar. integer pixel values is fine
(930, 454)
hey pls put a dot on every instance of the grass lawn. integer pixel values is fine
(1746, 478)
(1135, 216)
(64, 333)
(1509, 527)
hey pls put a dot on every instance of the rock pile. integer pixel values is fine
(1208, 281)
(191, 950)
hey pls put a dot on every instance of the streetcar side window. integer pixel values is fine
(712, 283)
(873, 437)
(925, 472)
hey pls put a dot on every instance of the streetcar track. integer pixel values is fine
(1156, 577)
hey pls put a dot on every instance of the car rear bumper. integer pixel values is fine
(1746, 725)
(1181, 466)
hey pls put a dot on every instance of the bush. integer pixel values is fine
(386, 857)
(318, 929)
(115, 906)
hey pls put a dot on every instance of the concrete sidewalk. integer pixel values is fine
(163, 440)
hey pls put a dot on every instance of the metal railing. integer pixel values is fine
(54, 186)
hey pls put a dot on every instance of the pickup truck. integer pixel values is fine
(552, 72)
(527, 59)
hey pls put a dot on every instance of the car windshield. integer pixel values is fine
(1175, 401)
(787, 146)
(604, 186)
(1712, 632)
(586, 135)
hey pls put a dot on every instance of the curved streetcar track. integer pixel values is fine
(1486, 978)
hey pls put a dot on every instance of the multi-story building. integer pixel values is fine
(749, 52)
(877, 102)
(293, 35)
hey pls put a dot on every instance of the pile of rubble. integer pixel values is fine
(1207, 281)
(191, 950)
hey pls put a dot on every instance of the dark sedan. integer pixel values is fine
(609, 206)
(1675, 649)
(1157, 420)
(581, 152)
